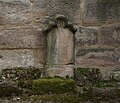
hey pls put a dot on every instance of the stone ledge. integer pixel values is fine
(62, 71)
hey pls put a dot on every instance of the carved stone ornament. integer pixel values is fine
(53, 24)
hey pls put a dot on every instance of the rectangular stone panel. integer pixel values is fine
(96, 11)
(110, 35)
(15, 12)
(98, 57)
(62, 71)
(86, 36)
(59, 47)
(21, 58)
(21, 37)
(89, 11)
(44, 9)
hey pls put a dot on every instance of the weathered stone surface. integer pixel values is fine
(23, 45)
(87, 76)
(96, 11)
(99, 51)
(21, 58)
(115, 74)
(47, 8)
(60, 71)
(86, 36)
(21, 37)
(106, 59)
(22, 74)
(15, 11)
(59, 47)
(89, 11)
(110, 35)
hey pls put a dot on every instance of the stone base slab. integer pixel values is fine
(62, 71)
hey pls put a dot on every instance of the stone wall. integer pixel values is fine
(98, 37)
(97, 40)
(22, 42)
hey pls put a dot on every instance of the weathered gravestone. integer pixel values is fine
(60, 47)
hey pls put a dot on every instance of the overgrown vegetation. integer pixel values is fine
(23, 73)
(103, 84)
(86, 86)
(62, 98)
(86, 76)
(53, 85)
(7, 90)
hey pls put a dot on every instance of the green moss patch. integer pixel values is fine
(61, 98)
(102, 84)
(23, 73)
(86, 76)
(53, 85)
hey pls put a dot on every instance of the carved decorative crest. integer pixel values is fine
(53, 24)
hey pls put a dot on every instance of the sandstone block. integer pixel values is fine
(21, 37)
(21, 58)
(97, 58)
(86, 37)
(15, 12)
(95, 11)
(59, 47)
(42, 9)
(60, 71)
(110, 35)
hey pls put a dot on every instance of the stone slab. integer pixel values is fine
(44, 9)
(98, 57)
(21, 37)
(95, 11)
(87, 36)
(110, 35)
(59, 47)
(15, 12)
(21, 58)
(60, 71)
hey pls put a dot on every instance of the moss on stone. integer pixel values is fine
(87, 76)
(102, 84)
(53, 85)
(23, 73)
(62, 98)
